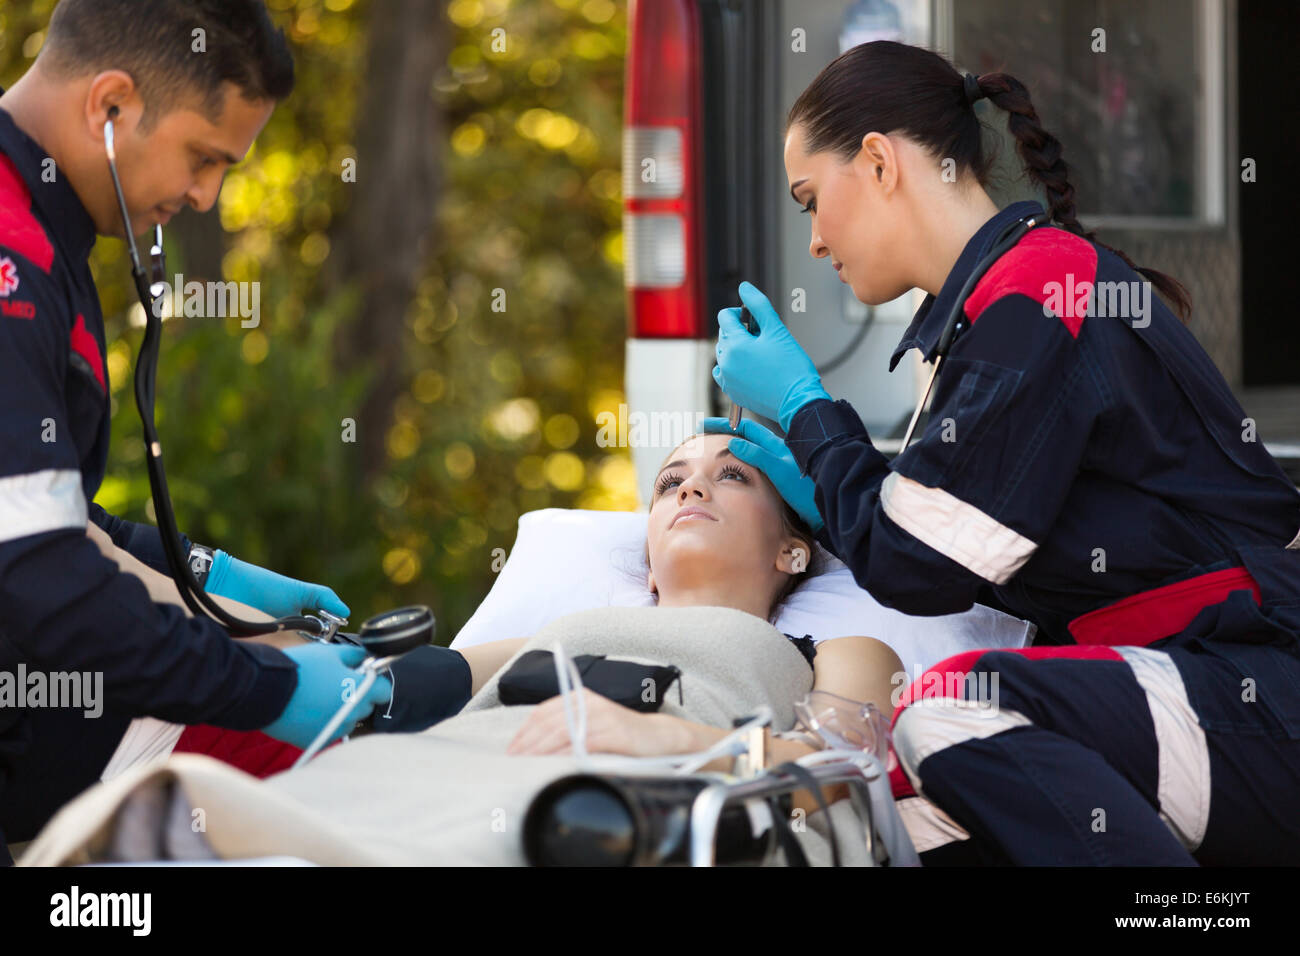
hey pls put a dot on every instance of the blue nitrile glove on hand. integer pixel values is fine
(267, 591)
(759, 447)
(768, 372)
(326, 677)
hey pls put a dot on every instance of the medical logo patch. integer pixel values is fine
(8, 276)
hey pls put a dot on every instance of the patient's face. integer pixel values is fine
(715, 520)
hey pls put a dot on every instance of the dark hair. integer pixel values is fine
(792, 526)
(886, 86)
(153, 41)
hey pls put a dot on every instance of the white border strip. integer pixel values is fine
(955, 529)
(927, 825)
(41, 501)
(1183, 786)
(929, 726)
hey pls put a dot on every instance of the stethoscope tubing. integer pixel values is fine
(1009, 237)
(196, 599)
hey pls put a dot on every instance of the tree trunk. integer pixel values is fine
(202, 244)
(384, 240)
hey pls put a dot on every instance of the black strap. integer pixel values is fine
(794, 855)
(805, 778)
(1010, 235)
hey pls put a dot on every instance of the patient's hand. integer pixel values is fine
(611, 728)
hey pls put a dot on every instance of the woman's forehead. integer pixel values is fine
(699, 446)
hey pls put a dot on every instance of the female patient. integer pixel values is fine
(722, 551)
(719, 534)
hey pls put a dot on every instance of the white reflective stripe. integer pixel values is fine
(935, 724)
(955, 529)
(41, 501)
(1183, 786)
(147, 740)
(927, 825)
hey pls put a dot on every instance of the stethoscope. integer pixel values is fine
(385, 637)
(954, 325)
(196, 599)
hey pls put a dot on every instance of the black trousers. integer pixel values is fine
(64, 754)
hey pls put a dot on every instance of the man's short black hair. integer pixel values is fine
(178, 52)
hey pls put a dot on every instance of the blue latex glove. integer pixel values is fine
(768, 372)
(759, 447)
(326, 676)
(267, 591)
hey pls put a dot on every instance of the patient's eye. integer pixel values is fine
(666, 481)
(811, 207)
(670, 478)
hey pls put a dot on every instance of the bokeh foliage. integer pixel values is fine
(496, 415)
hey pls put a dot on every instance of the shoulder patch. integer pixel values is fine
(1049, 265)
(20, 230)
(8, 277)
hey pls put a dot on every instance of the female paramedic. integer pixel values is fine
(1084, 465)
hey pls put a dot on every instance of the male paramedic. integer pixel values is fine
(183, 116)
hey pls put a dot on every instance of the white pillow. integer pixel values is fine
(572, 560)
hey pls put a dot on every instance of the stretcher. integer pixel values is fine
(538, 584)
(687, 832)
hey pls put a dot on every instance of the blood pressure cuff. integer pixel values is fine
(531, 679)
(430, 684)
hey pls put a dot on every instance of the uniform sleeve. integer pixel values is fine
(142, 541)
(967, 505)
(67, 608)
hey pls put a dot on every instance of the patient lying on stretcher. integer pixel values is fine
(723, 549)
(719, 535)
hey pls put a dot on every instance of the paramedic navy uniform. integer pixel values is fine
(1094, 474)
(66, 606)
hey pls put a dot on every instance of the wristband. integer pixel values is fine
(200, 561)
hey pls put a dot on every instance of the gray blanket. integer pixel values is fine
(449, 795)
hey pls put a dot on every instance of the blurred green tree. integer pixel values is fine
(459, 300)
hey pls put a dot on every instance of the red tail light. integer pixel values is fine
(662, 266)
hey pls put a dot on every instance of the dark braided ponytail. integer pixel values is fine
(1040, 151)
(887, 86)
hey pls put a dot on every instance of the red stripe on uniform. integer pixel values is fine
(1149, 616)
(964, 663)
(19, 228)
(1041, 259)
(899, 785)
(84, 344)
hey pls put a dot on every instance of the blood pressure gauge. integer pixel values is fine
(396, 632)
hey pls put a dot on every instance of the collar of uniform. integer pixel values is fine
(927, 324)
(61, 210)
